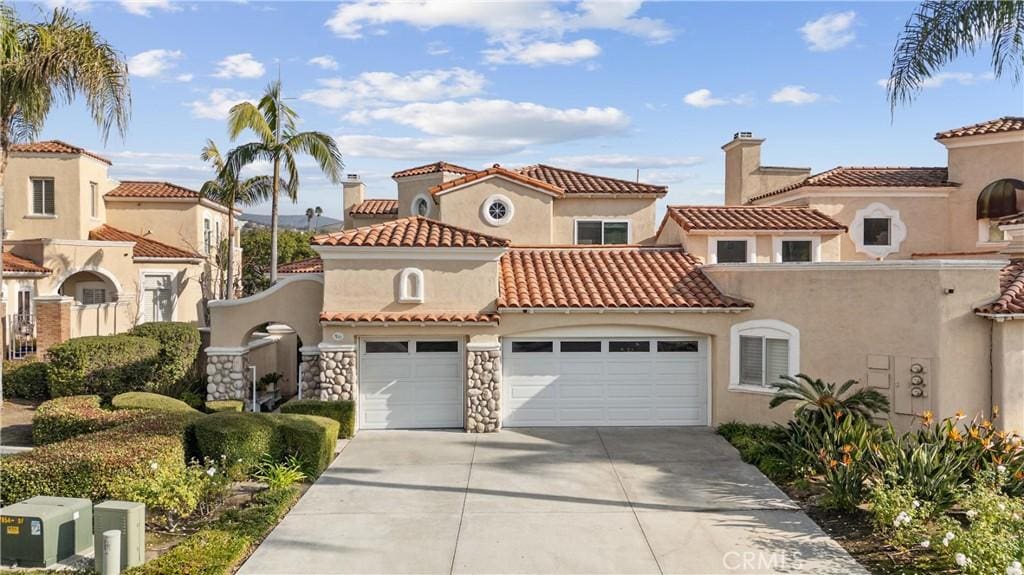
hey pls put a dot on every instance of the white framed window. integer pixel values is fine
(497, 210)
(877, 230)
(420, 206)
(91, 293)
(207, 236)
(42, 197)
(24, 300)
(157, 296)
(761, 352)
(788, 249)
(601, 232)
(94, 199)
(410, 286)
(732, 250)
(989, 232)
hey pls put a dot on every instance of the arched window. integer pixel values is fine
(421, 206)
(410, 286)
(1001, 198)
(761, 352)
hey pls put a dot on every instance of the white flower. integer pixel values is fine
(1001, 468)
(947, 538)
(960, 559)
(902, 519)
(972, 513)
(1015, 569)
(153, 465)
(926, 544)
(211, 471)
(1001, 506)
(916, 504)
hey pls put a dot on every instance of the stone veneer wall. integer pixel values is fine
(310, 375)
(483, 390)
(226, 377)
(336, 377)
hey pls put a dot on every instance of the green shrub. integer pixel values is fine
(823, 401)
(145, 400)
(309, 438)
(243, 439)
(91, 465)
(840, 450)
(66, 417)
(899, 515)
(26, 379)
(174, 493)
(764, 446)
(279, 475)
(104, 365)
(991, 540)
(179, 347)
(218, 406)
(344, 412)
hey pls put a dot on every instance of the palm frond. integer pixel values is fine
(323, 149)
(245, 116)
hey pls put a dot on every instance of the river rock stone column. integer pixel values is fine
(309, 382)
(336, 379)
(483, 390)
(225, 377)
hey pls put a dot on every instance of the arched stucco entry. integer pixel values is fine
(294, 301)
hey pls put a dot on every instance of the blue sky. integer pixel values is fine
(606, 87)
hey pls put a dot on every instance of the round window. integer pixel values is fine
(497, 210)
(420, 207)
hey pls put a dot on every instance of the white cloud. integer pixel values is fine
(540, 53)
(940, 79)
(703, 98)
(437, 48)
(325, 62)
(378, 88)
(184, 77)
(239, 66)
(76, 5)
(830, 32)
(153, 63)
(409, 148)
(796, 95)
(144, 7)
(519, 122)
(217, 103)
(625, 161)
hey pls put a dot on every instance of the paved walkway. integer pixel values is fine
(569, 500)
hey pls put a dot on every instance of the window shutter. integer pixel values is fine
(751, 360)
(92, 296)
(777, 363)
(157, 302)
(38, 200)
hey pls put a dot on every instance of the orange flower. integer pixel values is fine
(927, 417)
(960, 415)
(848, 448)
(986, 424)
(954, 434)
(1019, 475)
(995, 412)
(974, 433)
(832, 463)
(847, 460)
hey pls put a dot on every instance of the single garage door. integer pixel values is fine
(606, 381)
(410, 383)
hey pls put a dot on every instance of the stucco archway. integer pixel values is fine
(294, 301)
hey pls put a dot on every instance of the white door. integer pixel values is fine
(605, 381)
(410, 383)
(157, 298)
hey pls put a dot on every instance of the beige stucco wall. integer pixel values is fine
(295, 301)
(532, 210)
(409, 188)
(72, 175)
(974, 168)
(699, 244)
(176, 223)
(1008, 373)
(640, 212)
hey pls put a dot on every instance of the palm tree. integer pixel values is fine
(940, 31)
(316, 221)
(278, 141)
(309, 219)
(231, 190)
(824, 400)
(50, 63)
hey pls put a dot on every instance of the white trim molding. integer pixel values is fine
(713, 247)
(777, 247)
(503, 177)
(897, 230)
(87, 268)
(226, 350)
(485, 210)
(426, 200)
(761, 328)
(173, 274)
(410, 286)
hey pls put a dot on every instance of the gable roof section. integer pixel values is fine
(56, 147)
(434, 168)
(375, 208)
(144, 189)
(572, 182)
(144, 247)
(726, 218)
(497, 171)
(870, 177)
(997, 126)
(18, 264)
(607, 278)
(411, 232)
(1011, 284)
(313, 265)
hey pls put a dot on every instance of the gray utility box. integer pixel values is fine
(81, 513)
(130, 519)
(36, 535)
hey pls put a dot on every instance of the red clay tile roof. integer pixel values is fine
(572, 182)
(375, 208)
(497, 170)
(1004, 124)
(18, 264)
(411, 232)
(1011, 283)
(602, 278)
(408, 317)
(307, 266)
(144, 247)
(1015, 219)
(714, 218)
(869, 177)
(142, 189)
(55, 147)
(434, 168)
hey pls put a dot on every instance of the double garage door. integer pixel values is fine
(546, 382)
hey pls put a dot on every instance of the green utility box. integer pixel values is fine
(81, 513)
(36, 535)
(130, 519)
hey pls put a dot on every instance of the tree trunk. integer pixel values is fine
(230, 292)
(273, 221)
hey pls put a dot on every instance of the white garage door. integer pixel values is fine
(606, 381)
(410, 384)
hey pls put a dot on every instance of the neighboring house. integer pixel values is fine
(542, 296)
(88, 255)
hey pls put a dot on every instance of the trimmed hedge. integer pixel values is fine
(104, 365)
(67, 417)
(245, 439)
(92, 465)
(310, 438)
(344, 412)
(27, 379)
(155, 401)
(218, 406)
(179, 347)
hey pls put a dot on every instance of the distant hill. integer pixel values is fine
(291, 222)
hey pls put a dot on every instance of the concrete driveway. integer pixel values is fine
(565, 500)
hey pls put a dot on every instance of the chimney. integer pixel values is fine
(353, 192)
(742, 161)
